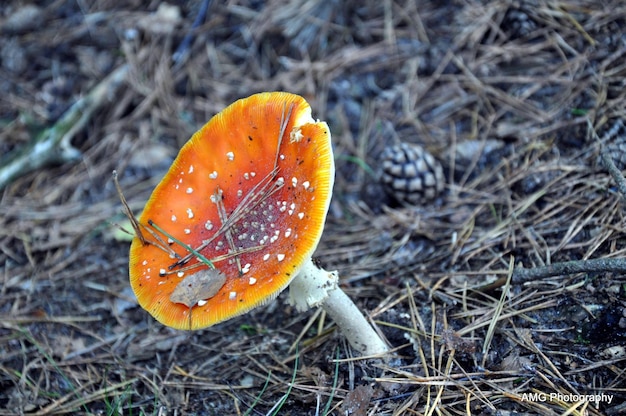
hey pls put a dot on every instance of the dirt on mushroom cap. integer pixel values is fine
(249, 191)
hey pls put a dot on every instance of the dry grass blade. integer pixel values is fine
(67, 406)
(497, 314)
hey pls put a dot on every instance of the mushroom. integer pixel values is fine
(247, 196)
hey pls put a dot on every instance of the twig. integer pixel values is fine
(570, 267)
(614, 171)
(182, 52)
(610, 165)
(581, 266)
(54, 144)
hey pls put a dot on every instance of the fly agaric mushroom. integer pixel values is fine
(246, 196)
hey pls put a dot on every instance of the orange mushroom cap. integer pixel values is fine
(249, 193)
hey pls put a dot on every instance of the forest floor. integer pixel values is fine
(515, 99)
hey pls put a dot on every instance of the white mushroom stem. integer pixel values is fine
(314, 287)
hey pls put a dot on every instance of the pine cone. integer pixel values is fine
(410, 174)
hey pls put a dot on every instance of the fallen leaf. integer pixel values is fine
(198, 286)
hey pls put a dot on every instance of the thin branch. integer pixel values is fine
(182, 52)
(54, 144)
(615, 172)
(570, 267)
(609, 164)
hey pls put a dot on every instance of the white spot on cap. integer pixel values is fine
(230, 156)
(246, 176)
(170, 241)
(232, 295)
(213, 175)
(187, 231)
(280, 257)
(301, 215)
(280, 181)
(208, 225)
(253, 174)
(145, 262)
(252, 280)
(245, 269)
(266, 257)
(162, 272)
(202, 302)
(189, 213)
(288, 232)
(180, 274)
(282, 157)
(189, 190)
(239, 193)
(306, 184)
(296, 135)
(190, 168)
(173, 217)
(294, 181)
